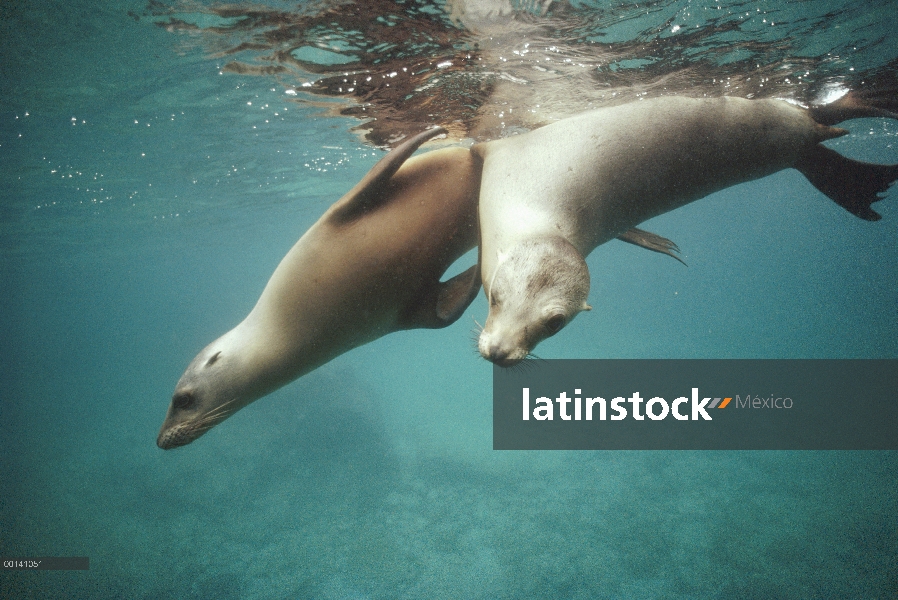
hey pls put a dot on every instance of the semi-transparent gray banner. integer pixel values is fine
(696, 405)
(45, 563)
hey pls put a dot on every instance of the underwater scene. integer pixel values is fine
(158, 160)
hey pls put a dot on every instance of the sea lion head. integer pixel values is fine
(208, 392)
(537, 288)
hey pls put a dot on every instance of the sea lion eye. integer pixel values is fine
(183, 401)
(554, 324)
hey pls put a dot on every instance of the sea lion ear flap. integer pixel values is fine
(446, 302)
(213, 358)
(368, 193)
(585, 306)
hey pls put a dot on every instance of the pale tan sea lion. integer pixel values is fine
(549, 197)
(370, 266)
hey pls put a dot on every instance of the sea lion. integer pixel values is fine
(550, 196)
(370, 266)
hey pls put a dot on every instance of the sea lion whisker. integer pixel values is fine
(209, 421)
(477, 323)
(223, 408)
(201, 429)
(476, 332)
(216, 415)
(527, 363)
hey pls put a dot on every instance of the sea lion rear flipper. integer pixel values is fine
(446, 301)
(367, 193)
(852, 184)
(872, 101)
(650, 241)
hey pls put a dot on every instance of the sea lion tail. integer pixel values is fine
(852, 184)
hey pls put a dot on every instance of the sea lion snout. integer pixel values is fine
(536, 289)
(499, 350)
(500, 357)
(172, 438)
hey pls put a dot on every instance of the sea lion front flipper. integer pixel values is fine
(456, 294)
(651, 241)
(368, 192)
(445, 302)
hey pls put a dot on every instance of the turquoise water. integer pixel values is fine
(146, 199)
